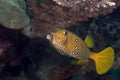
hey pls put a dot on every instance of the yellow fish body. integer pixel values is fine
(67, 43)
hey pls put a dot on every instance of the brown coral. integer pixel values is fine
(60, 73)
(63, 72)
(49, 14)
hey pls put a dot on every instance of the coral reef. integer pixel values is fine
(63, 72)
(10, 53)
(47, 15)
(76, 3)
(12, 14)
(117, 60)
(23, 58)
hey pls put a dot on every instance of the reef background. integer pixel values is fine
(25, 53)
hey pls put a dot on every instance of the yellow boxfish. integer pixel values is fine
(67, 43)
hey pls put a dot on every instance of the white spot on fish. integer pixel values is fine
(76, 47)
(73, 53)
(64, 32)
(71, 34)
(76, 55)
(54, 41)
(76, 40)
(60, 46)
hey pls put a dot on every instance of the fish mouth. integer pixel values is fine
(49, 36)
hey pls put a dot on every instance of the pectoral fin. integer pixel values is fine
(80, 62)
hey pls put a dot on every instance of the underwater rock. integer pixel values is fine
(12, 14)
(51, 14)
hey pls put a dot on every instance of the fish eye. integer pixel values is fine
(30, 29)
(65, 32)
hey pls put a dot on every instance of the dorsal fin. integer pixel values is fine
(89, 41)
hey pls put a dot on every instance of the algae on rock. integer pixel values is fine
(12, 14)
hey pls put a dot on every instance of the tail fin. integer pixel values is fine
(103, 60)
